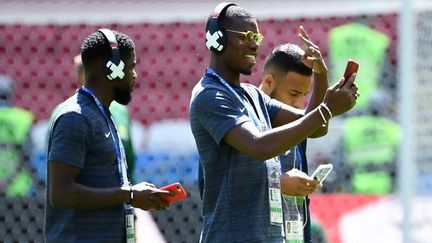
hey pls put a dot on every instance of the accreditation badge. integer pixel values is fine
(130, 224)
(275, 196)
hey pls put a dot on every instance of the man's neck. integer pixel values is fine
(101, 94)
(226, 73)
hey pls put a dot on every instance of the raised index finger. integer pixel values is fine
(304, 37)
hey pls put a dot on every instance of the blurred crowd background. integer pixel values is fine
(360, 200)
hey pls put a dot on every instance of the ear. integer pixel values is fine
(268, 83)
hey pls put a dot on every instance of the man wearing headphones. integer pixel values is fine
(239, 132)
(89, 195)
(120, 115)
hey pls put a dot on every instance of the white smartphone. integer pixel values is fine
(322, 172)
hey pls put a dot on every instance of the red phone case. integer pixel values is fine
(351, 67)
(177, 188)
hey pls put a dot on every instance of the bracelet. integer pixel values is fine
(328, 109)
(131, 195)
(323, 117)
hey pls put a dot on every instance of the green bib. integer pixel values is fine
(366, 46)
(370, 140)
(15, 124)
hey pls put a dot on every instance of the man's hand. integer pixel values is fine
(342, 96)
(312, 56)
(148, 197)
(298, 183)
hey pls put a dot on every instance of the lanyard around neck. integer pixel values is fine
(225, 83)
(297, 155)
(120, 154)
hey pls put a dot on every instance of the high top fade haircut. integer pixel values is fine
(96, 46)
(286, 58)
(232, 14)
(228, 17)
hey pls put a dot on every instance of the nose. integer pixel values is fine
(299, 104)
(253, 44)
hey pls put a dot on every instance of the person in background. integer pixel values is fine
(240, 131)
(370, 147)
(288, 77)
(16, 178)
(89, 195)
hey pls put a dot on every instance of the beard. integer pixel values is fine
(245, 71)
(122, 96)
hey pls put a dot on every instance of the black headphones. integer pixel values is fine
(114, 66)
(215, 36)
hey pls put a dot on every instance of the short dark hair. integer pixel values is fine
(285, 58)
(227, 17)
(235, 12)
(96, 46)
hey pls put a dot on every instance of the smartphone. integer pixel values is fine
(322, 172)
(177, 188)
(351, 67)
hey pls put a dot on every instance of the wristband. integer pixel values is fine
(328, 109)
(131, 195)
(323, 117)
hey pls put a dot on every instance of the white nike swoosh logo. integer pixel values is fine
(244, 108)
(107, 134)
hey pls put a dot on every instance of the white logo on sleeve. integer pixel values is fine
(107, 134)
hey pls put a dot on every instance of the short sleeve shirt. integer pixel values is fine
(79, 136)
(235, 188)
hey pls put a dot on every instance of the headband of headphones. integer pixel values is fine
(220, 8)
(215, 35)
(114, 66)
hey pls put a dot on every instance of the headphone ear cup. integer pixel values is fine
(215, 38)
(216, 41)
(115, 66)
(114, 71)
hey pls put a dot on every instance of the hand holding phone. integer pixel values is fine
(351, 67)
(322, 172)
(177, 189)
